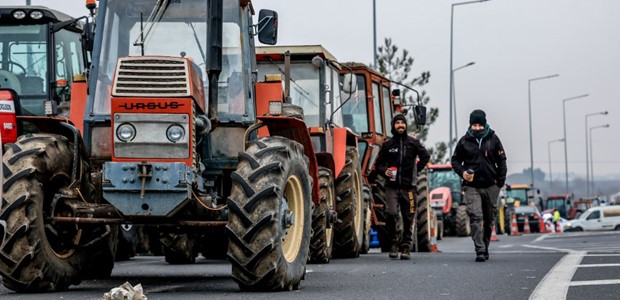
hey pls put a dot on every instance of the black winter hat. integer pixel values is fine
(396, 118)
(478, 117)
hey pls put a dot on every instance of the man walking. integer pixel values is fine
(397, 162)
(479, 158)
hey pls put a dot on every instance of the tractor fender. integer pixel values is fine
(59, 126)
(343, 138)
(295, 130)
(326, 160)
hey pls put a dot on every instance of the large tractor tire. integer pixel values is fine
(36, 255)
(367, 192)
(378, 193)
(323, 216)
(269, 226)
(463, 228)
(424, 213)
(349, 231)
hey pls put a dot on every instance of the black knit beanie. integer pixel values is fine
(478, 117)
(396, 118)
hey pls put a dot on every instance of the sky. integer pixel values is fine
(510, 41)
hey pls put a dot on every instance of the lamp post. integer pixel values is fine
(591, 160)
(451, 66)
(587, 156)
(550, 172)
(529, 106)
(374, 32)
(456, 132)
(565, 140)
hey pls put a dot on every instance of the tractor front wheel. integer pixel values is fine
(270, 218)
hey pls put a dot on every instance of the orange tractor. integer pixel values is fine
(313, 83)
(177, 134)
(369, 115)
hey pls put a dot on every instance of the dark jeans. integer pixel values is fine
(481, 208)
(404, 200)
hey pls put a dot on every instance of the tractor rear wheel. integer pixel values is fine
(323, 216)
(423, 214)
(270, 218)
(349, 232)
(367, 192)
(463, 228)
(37, 255)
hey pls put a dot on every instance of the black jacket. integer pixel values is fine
(401, 151)
(487, 158)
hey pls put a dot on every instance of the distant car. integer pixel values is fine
(533, 215)
(597, 218)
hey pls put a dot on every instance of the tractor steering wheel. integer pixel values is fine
(12, 63)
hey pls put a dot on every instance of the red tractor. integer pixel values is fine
(169, 140)
(446, 198)
(312, 82)
(369, 115)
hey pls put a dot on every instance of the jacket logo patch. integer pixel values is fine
(393, 150)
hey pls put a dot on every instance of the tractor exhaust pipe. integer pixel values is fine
(214, 57)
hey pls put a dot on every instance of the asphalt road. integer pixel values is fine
(548, 266)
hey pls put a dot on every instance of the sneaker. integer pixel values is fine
(480, 257)
(486, 255)
(405, 254)
(394, 251)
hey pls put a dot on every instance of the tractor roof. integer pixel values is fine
(297, 52)
(50, 15)
(440, 166)
(559, 196)
(519, 186)
(362, 66)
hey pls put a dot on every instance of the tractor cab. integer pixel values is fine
(41, 57)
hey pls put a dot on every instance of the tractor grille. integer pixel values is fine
(151, 77)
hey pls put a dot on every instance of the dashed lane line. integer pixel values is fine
(598, 265)
(556, 282)
(595, 282)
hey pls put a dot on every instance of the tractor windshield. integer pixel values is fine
(305, 86)
(445, 178)
(514, 195)
(133, 28)
(355, 110)
(24, 63)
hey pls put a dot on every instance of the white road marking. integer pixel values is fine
(540, 238)
(598, 265)
(602, 254)
(595, 282)
(556, 282)
(505, 246)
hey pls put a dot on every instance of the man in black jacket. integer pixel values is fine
(479, 158)
(397, 162)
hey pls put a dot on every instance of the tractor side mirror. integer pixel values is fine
(88, 36)
(268, 27)
(349, 83)
(420, 115)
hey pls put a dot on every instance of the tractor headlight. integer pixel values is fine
(175, 133)
(126, 132)
(19, 14)
(36, 14)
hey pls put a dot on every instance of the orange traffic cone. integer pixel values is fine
(542, 228)
(526, 226)
(514, 229)
(558, 228)
(494, 237)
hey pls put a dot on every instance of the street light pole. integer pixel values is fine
(374, 32)
(529, 106)
(451, 66)
(550, 172)
(587, 156)
(592, 161)
(456, 126)
(565, 140)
